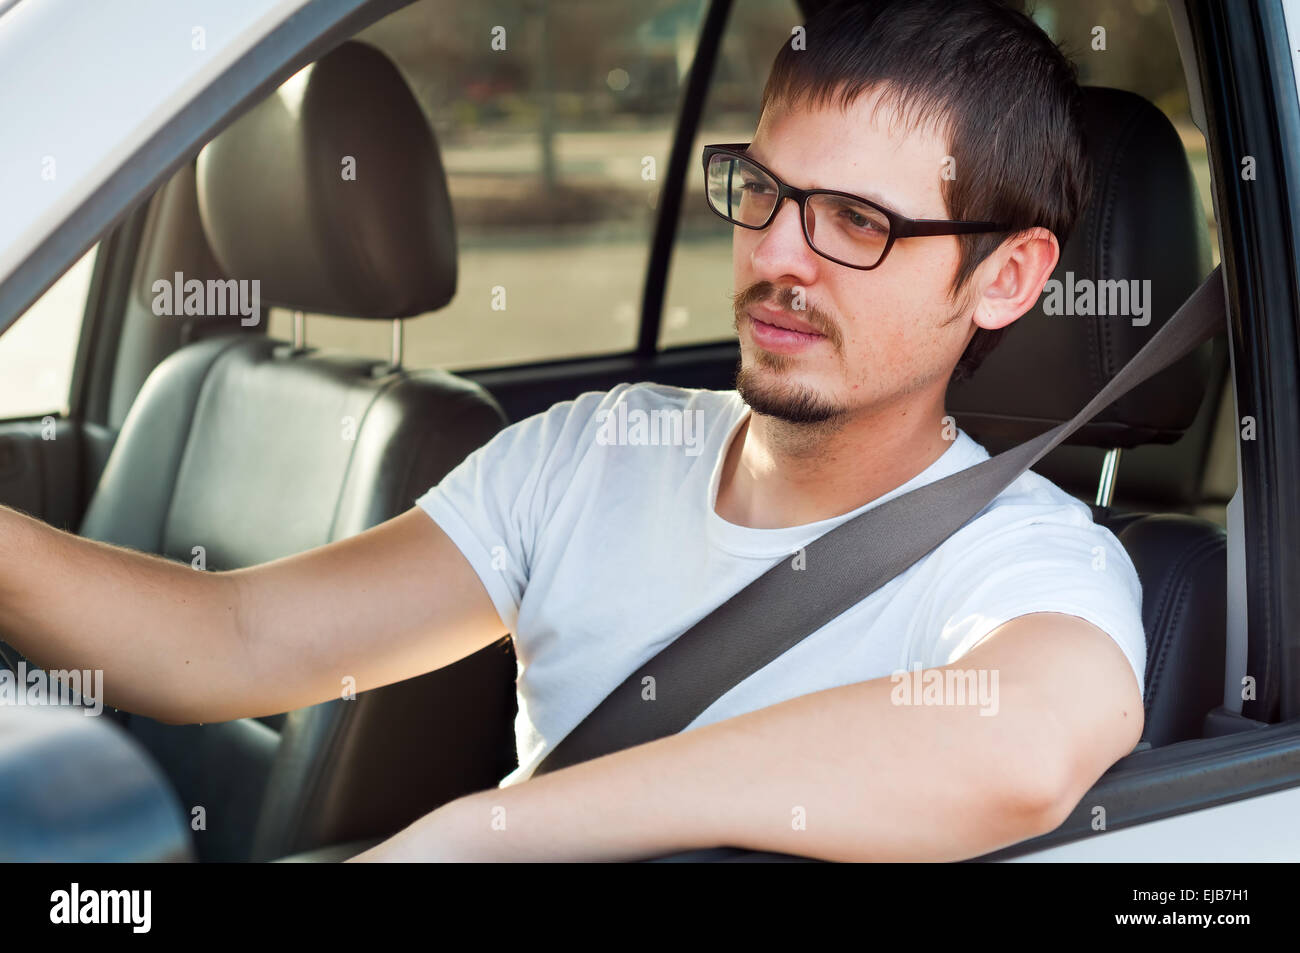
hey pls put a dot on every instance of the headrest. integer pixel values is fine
(331, 192)
(1143, 224)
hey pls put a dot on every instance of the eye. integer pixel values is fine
(755, 187)
(857, 220)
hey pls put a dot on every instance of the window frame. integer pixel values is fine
(689, 116)
(1252, 108)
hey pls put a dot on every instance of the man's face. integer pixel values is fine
(882, 335)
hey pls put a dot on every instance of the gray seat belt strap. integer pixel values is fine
(842, 567)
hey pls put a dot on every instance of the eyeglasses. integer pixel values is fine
(847, 229)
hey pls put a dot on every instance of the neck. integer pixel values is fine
(778, 474)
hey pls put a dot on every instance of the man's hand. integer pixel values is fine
(850, 773)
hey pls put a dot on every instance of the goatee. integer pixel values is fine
(769, 393)
(786, 402)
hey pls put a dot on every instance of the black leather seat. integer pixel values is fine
(1144, 222)
(253, 450)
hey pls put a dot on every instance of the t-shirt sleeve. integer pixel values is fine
(497, 501)
(1070, 567)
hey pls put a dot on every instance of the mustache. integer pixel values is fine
(767, 292)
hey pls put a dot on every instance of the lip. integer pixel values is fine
(782, 319)
(789, 336)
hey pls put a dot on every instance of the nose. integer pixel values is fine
(781, 254)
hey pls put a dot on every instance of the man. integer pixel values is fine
(595, 550)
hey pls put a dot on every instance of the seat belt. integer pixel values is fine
(843, 566)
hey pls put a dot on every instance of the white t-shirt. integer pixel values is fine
(592, 527)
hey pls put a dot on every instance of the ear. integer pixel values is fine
(1015, 276)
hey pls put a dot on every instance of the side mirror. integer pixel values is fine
(76, 788)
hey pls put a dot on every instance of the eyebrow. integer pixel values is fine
(871, 194)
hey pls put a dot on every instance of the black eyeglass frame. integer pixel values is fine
(900, 226)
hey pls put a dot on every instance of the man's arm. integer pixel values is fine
(844, 774)
(182, 645)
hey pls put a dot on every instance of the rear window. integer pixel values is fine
(555, 122)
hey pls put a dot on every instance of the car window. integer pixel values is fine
(555, 122)
(1134, 50)
(697, 301)
(1131, 45)
(38, 352)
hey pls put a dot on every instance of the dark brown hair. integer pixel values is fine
(985, 73)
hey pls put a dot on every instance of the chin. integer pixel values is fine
(768, 391)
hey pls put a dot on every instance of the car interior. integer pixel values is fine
(198, 438)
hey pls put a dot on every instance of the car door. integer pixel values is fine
(1235, 794)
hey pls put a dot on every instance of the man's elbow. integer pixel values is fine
(1046, 793)
(1061, 762)
(1034, 800)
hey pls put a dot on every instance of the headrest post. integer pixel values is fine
(299, 331)
(1106, 485)
(398, 329)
